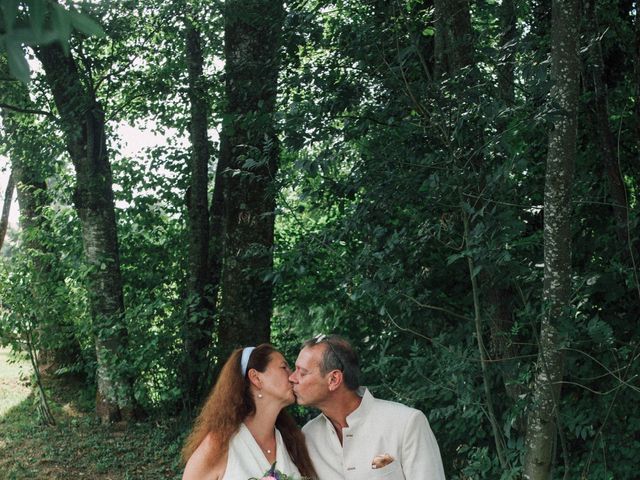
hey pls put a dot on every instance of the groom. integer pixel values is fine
(359, 437)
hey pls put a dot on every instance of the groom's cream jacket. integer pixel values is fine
(376, 427)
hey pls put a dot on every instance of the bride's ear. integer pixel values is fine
(254, 378)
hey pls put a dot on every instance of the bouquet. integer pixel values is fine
(273, 474)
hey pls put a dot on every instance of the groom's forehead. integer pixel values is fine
(309, 357)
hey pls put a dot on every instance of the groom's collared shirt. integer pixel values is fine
(376, 427)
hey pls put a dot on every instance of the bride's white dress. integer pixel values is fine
(246, 459)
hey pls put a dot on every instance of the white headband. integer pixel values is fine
(244, 361)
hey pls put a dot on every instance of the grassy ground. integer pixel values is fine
(78, 446)
(12, 389)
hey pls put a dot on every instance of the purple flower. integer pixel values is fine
(274, 474)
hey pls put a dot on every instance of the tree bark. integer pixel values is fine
(508, 39)
(425, 45)
(501, 299)
(216, 226)
(636, 75)
(83, 123)
(500, 296)
(606, 139)
(541, 422)
(541, 13)
(199, 319)
(440, 44)
(461, 35)
(6, 207)
(454, 46)
(249, 147)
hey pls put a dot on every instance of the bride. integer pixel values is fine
(243, 428)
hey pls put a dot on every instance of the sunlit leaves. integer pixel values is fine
(38, 22)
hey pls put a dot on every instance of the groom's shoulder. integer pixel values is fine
(398, 411)
(395, 417)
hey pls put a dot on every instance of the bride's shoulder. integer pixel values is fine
(200, 465)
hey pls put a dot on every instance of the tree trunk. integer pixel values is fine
(216, 247)
(541, 424)
(216, 224)
(440, 44)
(6, 207)
(199, 319)
(425, 44)
(606, 138)
(82, 120)
(541, 24)
(501, 300)
(216, 253)
(249, 147)
(508, 40)
(454, 47)
(636, 75)
(461, 35)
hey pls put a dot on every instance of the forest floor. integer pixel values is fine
(12, 389)
(78, 446)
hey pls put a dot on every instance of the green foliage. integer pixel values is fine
(42, 296)
(152, 235)
(38, 22)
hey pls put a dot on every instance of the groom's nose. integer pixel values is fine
(293, 378)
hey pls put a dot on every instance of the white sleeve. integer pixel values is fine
(420, 453)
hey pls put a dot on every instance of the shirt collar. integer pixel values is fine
(360, 413)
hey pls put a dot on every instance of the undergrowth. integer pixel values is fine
(78, 446)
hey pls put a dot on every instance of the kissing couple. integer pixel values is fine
(243, 429)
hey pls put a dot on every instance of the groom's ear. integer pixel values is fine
(335, 380)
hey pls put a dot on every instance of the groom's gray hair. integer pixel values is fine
(338, 355)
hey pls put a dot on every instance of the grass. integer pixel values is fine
(12, 389)
(78, 446)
